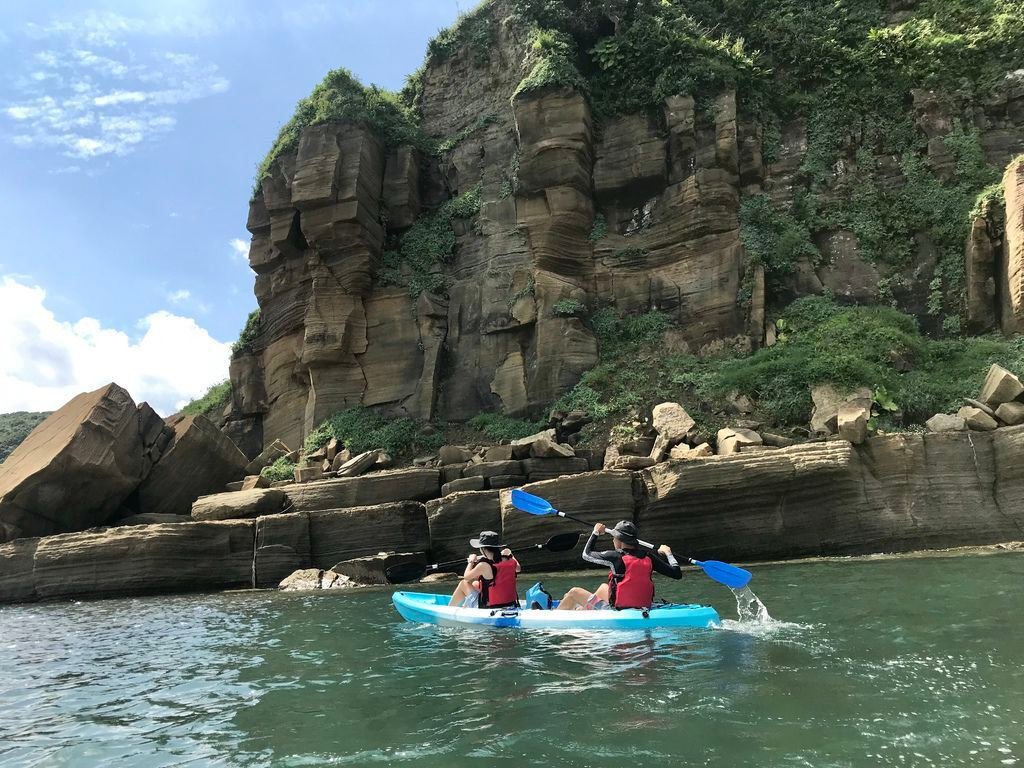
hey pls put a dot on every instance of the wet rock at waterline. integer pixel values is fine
(370, 569)
(311, 579)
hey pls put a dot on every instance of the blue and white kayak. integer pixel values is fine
(425, 608)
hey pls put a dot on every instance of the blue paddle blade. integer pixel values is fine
(535, 505)
(730, 575)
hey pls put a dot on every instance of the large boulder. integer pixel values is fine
(76, 469)
(199, 460)
(1000, 387)
(239, 505)
(343, 534)
(268, 456)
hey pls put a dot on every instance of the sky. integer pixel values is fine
(129, 137)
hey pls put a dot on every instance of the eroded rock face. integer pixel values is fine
(200, 459)
(78, 467)
(1013, 278)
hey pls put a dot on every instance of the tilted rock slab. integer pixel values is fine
(77, 468)
(199, 460)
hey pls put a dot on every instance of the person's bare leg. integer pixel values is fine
(464, 590)
(577, 596)
(602, 592)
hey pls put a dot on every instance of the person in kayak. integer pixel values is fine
(489, 580)
(630, 583)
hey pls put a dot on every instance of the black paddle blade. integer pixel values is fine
(563, 542)
(405, 572)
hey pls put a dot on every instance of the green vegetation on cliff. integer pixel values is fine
(360, 429)
(15, 427)
(248, 336)
(282, 469)
(823, 342)
(211, 404)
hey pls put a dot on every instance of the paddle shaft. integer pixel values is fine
(641, 542)
(449, 564)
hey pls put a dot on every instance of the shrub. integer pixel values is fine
(248, 336)
(282, 469)
(360, 429)
(498, 426)
(568, 308)
(212, 403)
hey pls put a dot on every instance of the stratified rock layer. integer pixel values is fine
(76, 468)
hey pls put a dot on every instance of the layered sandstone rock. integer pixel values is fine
(78, 467)
(1012, 278)
(456, 518)
(343, 534)
(128, 560)
(366, 490)
(200, 459)
(239, 505)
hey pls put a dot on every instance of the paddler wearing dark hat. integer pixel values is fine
(489, 580)
(630, 583)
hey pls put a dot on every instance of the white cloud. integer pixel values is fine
(179, 296)
(86, 105)
(240, 249)
(44, 362)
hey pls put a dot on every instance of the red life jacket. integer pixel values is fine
(635, 589)
(500, 592)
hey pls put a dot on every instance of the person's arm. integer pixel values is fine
(507, 554)
(598, 558)
(668, 567)
(475, 568)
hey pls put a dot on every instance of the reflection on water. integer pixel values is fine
(869, 667)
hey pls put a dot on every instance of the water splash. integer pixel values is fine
(750, 609)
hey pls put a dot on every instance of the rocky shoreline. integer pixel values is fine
(894, 493)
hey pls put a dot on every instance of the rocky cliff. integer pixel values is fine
(438, 255)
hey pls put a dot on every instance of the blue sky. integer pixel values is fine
(129, 137)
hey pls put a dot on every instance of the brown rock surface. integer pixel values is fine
(1011, 413)
(827, 401)
(853, 420)
(76, 468)
(1012, 281)
(199, 460)
(128, 560)
(282, 545)
(344, 534)
(367, 490)
(458, 517)
(239, 504)
(977, 419)
(370, 569)
(945, 422)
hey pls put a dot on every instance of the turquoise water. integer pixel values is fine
(910, 662)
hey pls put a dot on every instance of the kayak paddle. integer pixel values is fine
(729, 575)
(406, 572)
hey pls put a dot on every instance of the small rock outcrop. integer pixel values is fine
(311, 579)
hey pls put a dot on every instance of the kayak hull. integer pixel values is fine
(426, 608)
